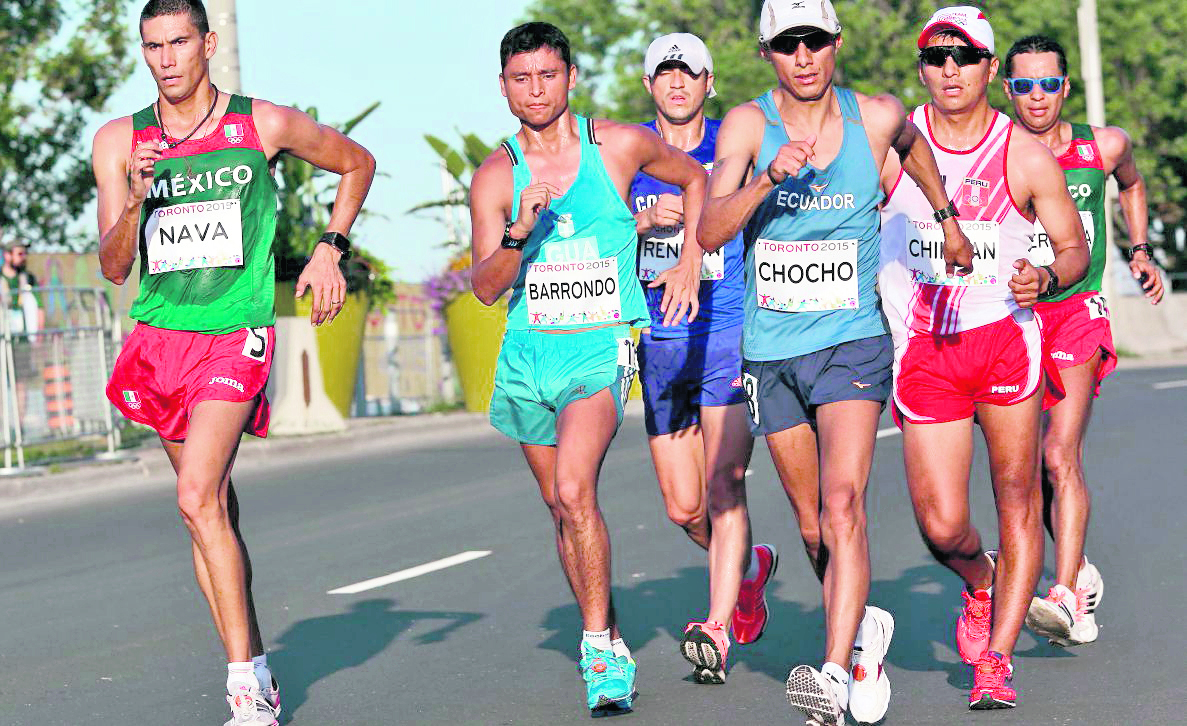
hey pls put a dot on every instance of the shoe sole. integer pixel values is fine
(610, 707)
(805, 693)
(1046, 620)
(770, 574)
(989, 703)
(707, 663)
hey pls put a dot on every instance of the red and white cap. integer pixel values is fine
(964, 19)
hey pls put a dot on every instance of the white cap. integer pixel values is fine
(780, 15)
(966, 20)
(683, 48)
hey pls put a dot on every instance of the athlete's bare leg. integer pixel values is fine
(203, 465)
(728, 445)
(1012, 437)
(793, 452)
(584, 431)
(846, 431)
(938, 459)
(1066, 499)
(679, 459)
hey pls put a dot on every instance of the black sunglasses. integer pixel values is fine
(789, 43)
(964, 55)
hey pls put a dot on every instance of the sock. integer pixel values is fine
(841, 676)
(618, 645)
(241, 677)
(752, 571)
(599, 640)
(263, 675)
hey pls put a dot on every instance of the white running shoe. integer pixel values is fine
(271, 694)
(1088, 579)
(248, 708)
(819, 696)
(1053, 616)
(869, 688)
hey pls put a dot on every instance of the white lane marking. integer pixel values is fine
(892, 431)
(1169, 384)
(410, 573)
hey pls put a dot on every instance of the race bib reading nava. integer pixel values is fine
(194, 235)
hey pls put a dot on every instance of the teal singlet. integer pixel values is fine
(578, 266)
(812, 247)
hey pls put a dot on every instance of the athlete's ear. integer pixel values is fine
(503, 85)
(210, 44)
(993, 66)
(647, 82)
(840, 42)
(1006, 90)
(764, 52)
(1067, 86)
(572, 76)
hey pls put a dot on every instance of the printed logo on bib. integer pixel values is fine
(256, 345)
(925, 253)
(806, 276)
(1097, 307)
(573, 292)
(1040, 251)
(194, 235)
(661, 252)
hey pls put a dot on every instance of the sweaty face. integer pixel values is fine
(176, 53)
(537, 85)
(679, 95)
(953, 87)
(1037, 110)
(804, 73)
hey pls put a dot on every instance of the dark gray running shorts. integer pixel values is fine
(785, 393)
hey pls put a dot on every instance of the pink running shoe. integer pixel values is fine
(991, 683)
(750, 614)
(706, 646)
(972, 627)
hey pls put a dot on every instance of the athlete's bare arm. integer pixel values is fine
(495, 268)
(1116, 148)
(629, 149)
(286, 129)
(889, 129)
(1037, 181)
(120, 195)
(734, 191)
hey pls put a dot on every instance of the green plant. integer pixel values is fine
(459, 163)
(306, 200)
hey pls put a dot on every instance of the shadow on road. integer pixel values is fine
(318, 647)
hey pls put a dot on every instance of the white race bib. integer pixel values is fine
(925, 253)
(814, 275)
(660, 252)
(1097, 306)
(1041, 253)
(195, 235)
(573, 293)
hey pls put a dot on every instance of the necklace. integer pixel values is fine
(165, 142)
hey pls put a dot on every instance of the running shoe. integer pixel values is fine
(750, 614)
(706, 646)
(629, 669)
(991, 683)
(271, 694)
(606, 688)
(1052, 617)
(869, 687)
(248, 708)
(818, 695)
(1088, 579)
(972, 627)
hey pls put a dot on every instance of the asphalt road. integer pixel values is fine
(102, 622)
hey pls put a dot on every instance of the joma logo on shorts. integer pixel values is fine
(1060, 355)
(228, 382)
(1005, 389)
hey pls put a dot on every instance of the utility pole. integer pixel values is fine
(224, 67)
(1094, 96)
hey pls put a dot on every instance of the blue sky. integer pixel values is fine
(434, 66)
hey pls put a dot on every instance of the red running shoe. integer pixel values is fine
(991, 678)
(972, 627)
(750, 614)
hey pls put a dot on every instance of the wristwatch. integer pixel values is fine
(1142, 247)
(1053, 288)
(509, 242)
(337, 241)
(941, 214)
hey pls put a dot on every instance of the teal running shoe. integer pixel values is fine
(606, 686)
(629, 668)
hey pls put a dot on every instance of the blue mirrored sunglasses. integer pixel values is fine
(1023, 86)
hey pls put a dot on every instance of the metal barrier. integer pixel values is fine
(57, 349)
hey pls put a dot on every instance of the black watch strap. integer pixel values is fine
(1142, 247)
(338, 241)
(948, 211)
(1053, 288)
(509, 242)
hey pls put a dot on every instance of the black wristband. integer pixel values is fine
(1053, 288)
(1142, 247)
(337, 241)
(509, 242)
(771, 177)
(942, 214)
